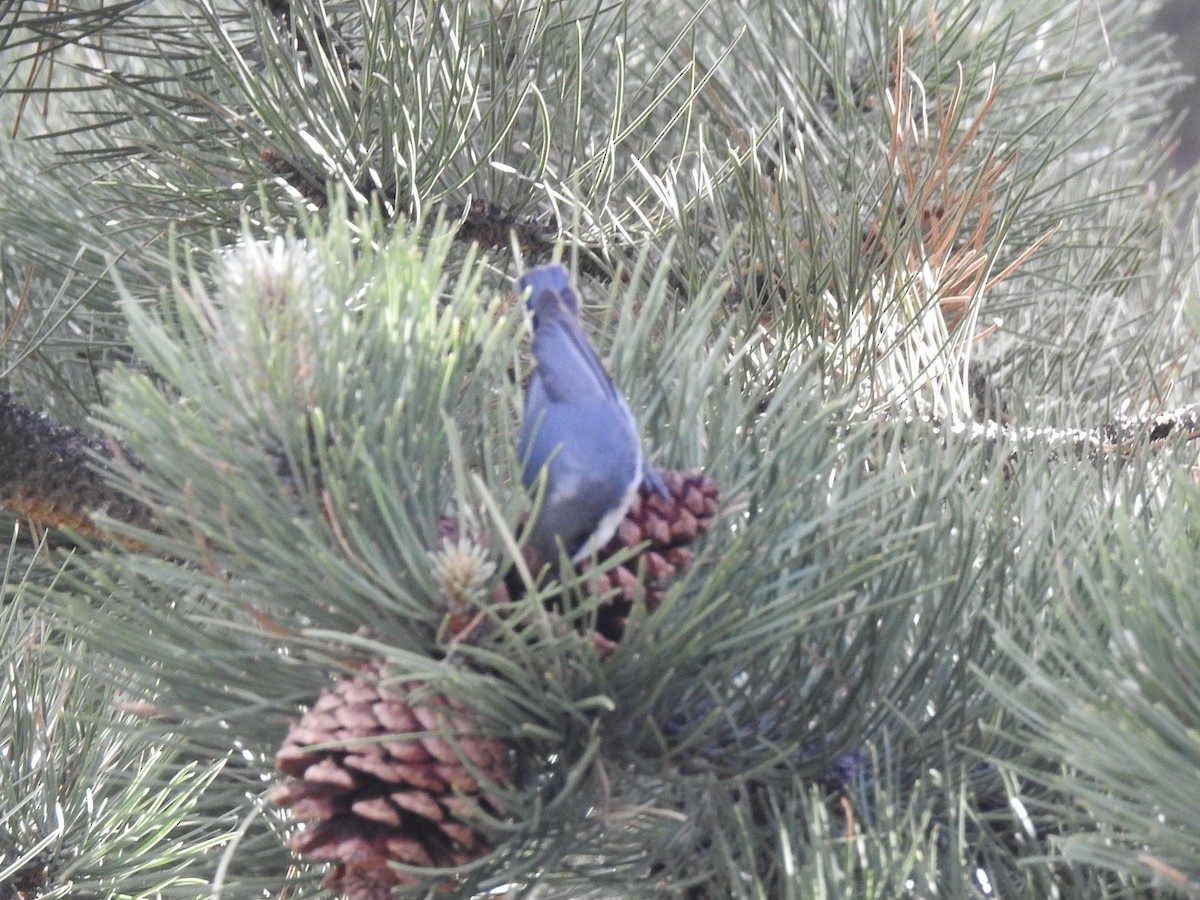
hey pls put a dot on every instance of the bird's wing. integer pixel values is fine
(533, 454)
(653, 481)
(594, 469)
(568, 367)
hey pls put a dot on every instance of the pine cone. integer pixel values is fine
(669, 524)
(49, 473)
(666, 524)
(408, 785)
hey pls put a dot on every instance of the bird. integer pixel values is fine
(577, 427)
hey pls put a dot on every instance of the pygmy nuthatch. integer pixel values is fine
(576, 425)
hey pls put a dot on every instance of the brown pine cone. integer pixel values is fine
(408, 784)
(669, 524)
(49, 474)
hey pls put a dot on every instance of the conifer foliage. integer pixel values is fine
(903, 306)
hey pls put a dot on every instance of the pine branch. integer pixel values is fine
(85, 788)
(54, 475)
(1116, 439)
(1110, 688)
(809, 704)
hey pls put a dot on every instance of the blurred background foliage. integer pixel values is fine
(907, 280)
